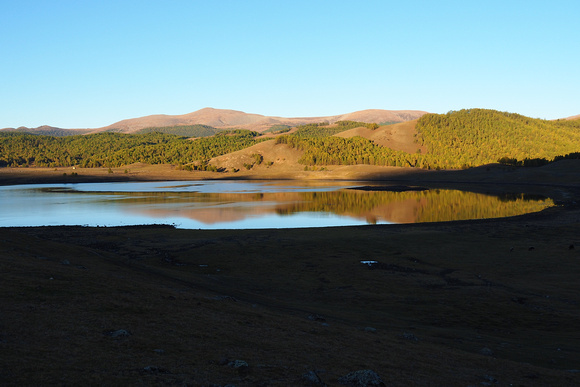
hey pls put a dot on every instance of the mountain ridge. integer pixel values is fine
(48, 131)
(455, 140)
(228, 118)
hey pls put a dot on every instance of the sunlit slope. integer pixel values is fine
(183, 130)
(399, 137)
(461, 139)
(477, 136)
(116, 149)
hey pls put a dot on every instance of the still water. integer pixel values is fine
(246, 204)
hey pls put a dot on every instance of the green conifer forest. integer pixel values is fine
(458, 139)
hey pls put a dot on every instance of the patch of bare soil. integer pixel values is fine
(133, 172)
(400, 137)
(283, 159)
(556, 178)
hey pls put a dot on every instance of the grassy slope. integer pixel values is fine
(398, 136)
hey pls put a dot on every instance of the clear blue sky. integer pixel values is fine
(86, 64)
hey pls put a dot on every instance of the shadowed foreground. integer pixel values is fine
(459, 303)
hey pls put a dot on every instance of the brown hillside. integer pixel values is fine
(379, 115)
(208, 116)
(284, 158)
(400, 137)
(221, 118)
(371, 115)
(576, 117)
(285, 166)
(224, 118)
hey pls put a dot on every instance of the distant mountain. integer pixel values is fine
(576, 117)
(222, 118)
(458, 139)
(47, 131)
(208, 116)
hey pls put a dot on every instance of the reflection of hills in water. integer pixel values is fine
(374, 206)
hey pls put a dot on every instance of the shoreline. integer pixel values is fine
(448, 303)
(559, 183)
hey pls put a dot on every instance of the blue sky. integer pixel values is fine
(87, 64)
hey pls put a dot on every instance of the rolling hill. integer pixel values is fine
(459, 139)
(222, 118)
(399, 137)
(47, 131)
(228, 119)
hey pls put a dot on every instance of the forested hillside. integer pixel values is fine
(183, 130)
(457, 139)
(116, 149)
(349, 151)
(323, 129)
(477, 136)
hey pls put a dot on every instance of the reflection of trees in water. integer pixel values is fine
(507, 197)
(418, 206)
(400, 207)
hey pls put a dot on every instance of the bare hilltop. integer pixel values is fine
(226, 118)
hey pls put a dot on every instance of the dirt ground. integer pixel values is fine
(483, 302)
(563, 173)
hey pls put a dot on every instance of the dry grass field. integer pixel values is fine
(471, 303)
(399, 136)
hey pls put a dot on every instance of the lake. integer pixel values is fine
(247, 204)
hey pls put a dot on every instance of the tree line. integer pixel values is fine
(459, 139)
(116, 149)
(324, 129)
(437, 205)
(197, 130)
(349, 151)
(474, 137)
